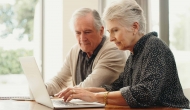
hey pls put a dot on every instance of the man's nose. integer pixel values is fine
(82, 37)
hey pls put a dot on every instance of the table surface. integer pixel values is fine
(32, 105)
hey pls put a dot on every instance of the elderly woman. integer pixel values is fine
(150, 76)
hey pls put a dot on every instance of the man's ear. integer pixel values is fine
(102, 30)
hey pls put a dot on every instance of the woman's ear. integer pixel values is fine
(135, 27)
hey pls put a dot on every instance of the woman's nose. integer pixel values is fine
(111, 38)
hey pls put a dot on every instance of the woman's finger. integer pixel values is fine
(62, 93)
(70, 98)
(68, 94)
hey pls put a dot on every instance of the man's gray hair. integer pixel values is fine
(126, 12)
(83, 12)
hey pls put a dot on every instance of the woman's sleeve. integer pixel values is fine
(116, 85)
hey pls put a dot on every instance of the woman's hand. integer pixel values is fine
(113, 98)
(77, 93)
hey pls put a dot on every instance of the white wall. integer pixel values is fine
(53, 35)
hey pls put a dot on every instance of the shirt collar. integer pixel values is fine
(140, 44)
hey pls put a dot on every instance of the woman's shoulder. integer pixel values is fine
(155, 42)
(155, 45)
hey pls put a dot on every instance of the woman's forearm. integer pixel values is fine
(95, 89)
(113, 98)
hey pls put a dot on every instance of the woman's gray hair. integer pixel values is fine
(126, 12)
(83, 12)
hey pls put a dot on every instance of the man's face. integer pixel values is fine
(87, 35)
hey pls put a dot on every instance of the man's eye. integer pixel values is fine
(115, 30)
(77, 33)
(87, 32)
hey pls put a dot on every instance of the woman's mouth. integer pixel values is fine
(117, 43)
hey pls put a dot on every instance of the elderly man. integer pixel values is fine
(94, 61)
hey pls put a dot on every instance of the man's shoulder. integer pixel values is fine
(75, 48)
(110, 47)
(108, 43)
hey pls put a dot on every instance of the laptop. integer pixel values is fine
(39, 91)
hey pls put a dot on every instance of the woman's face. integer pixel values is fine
(123, 38)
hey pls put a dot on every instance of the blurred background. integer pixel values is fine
(40, 28)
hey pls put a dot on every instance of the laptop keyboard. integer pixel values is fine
(62, 103)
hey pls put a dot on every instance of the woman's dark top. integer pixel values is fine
(150, 76)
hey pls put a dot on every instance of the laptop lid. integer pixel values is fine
(39, 90)
(35, 80)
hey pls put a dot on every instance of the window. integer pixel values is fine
(51, 41)
(17, 39)
(179, 40)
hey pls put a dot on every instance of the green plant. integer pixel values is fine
(18, 17)
(9, 62)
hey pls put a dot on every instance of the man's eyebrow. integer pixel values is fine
(83, 30)
(88, 30)
(77, 31)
